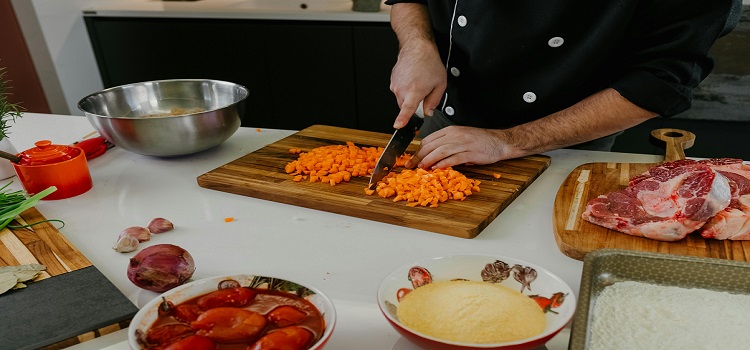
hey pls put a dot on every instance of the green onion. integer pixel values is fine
(14, 203)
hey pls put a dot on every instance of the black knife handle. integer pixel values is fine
(414, 124)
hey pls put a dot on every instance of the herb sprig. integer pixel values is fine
(8, 111)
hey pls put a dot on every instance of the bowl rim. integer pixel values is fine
(133, 343)
(541, 336)
(123, 86)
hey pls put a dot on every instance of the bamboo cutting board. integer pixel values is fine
(576, 237)
(40, 244)
(261, 174)
(71, 302)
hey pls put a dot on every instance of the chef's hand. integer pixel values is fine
(454, 145)
(419, 75)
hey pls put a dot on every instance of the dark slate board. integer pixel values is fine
(56, 309)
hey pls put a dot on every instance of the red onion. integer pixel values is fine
(161, 267)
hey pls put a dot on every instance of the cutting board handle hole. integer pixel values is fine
(675, 141)
(674, 134)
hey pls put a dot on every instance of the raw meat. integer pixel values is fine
(734, 221)
(665, 203)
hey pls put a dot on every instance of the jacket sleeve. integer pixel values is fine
(666, 52)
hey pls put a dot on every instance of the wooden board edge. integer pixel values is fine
(461, 232)
(88, 336)
(558, 217)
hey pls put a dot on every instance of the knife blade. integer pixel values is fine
(396, 147)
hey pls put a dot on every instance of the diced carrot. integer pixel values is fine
(229, 219)
(426, 188)
(497, 175)
(349, 160)
(339, 163)
(258, 129)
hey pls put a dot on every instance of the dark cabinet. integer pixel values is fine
(299, 73)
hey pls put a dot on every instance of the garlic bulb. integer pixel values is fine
(160, 225)
(142, 234)
(126, 244)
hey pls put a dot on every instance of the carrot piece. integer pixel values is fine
(426, 188)
(348, 160)
(229, 219)
(497, 175)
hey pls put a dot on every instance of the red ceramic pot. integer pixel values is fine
(46, 165)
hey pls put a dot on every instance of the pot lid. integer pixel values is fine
(46, 153)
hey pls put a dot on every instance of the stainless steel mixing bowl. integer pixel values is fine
(167, 117)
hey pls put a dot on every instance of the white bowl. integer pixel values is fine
(544, 288)
(149, 313)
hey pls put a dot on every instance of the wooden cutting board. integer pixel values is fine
(261, 174)
(71, 302)
(40, 244)
(576, 237)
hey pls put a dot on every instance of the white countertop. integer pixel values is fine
(345, 257)
(303, 10)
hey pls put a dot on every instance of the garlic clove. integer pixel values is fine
(126, 244)
(142, 234)
(160, 225)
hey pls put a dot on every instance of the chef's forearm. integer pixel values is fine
(599, 115)
(411, 23)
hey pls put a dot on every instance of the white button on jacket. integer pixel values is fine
(529, 97)
(556, 42)
(462, 21)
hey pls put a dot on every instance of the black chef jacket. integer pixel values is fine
(513, 62)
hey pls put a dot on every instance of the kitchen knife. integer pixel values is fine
(397, 146)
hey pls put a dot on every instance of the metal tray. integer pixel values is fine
(604, 267)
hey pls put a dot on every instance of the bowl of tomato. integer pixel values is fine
(249, 312)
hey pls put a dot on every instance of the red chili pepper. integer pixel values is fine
(94, 147)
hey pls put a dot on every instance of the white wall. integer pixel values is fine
(61, 51)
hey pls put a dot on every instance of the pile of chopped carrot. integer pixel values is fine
(336, 163)
(339, 163)
(426, 187)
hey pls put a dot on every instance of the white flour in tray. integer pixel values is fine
(635, 315)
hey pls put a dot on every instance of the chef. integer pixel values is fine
(506, 79)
